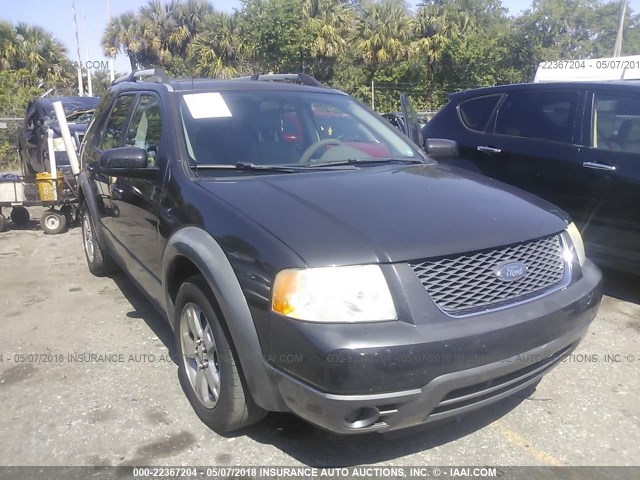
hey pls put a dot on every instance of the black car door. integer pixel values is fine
(470, 124)
(109, 135)
(136, 200)
(481, 150)
(540, 129)
(610, 160)
(409, 124)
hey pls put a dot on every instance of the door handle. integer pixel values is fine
(599, 166)
(486, 149)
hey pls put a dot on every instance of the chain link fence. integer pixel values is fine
(9, 157)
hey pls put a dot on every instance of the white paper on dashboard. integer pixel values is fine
(207, 105)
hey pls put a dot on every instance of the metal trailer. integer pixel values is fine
(56, 190)
(57, 195)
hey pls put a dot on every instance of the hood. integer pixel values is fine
(69, 104)
(73, 128)
(388, 213)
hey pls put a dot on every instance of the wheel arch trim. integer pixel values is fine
(86, 192)
(205, 253)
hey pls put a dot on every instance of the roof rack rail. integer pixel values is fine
(157, 75)
(301, 78)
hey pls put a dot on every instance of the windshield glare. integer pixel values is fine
(285, 128)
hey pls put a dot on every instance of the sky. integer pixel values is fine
(56, 16)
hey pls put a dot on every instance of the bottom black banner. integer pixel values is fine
(312, 473)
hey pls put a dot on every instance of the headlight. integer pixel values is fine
(58, 145)
(578, 245)
(334, 294)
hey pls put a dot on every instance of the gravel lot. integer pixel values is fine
(64, 409)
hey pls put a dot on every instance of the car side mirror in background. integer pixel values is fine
(125, 162)
(441, 148)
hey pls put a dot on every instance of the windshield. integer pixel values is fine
(286, 128)
(76, 109)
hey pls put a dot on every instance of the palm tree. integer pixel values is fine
(122, 35)
(433, 25)
(329, 21)
(189, 17)
(7, 45)
(157, 25)
(382, 33)
(37, 51)
(216, 51)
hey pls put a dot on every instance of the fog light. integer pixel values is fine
(362, 417)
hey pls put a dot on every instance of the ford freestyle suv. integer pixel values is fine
(311, 259)
(576, 145)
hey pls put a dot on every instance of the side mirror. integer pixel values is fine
(125, 162)
(441, 148)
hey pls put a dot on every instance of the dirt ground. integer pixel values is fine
(62, 406)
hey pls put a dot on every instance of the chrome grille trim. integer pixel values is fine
(466, 284)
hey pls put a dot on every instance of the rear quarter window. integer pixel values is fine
(475, 112)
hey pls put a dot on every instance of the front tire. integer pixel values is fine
(98, 261)
(207, 366)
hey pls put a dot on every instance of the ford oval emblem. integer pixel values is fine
(510, 271)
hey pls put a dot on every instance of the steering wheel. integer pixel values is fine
(313, 148)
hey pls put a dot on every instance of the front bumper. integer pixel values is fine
(388, 376)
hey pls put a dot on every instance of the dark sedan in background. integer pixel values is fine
(32, 135)
(574, 144)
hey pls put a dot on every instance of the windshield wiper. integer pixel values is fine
(269, 168)
(250, 167)
(355, 161)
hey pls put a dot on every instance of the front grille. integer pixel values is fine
(466, 283)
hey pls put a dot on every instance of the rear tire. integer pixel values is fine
(3, 222)
(98, 261)
(20, 216)
(208, 368)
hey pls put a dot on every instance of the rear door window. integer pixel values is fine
(475, 113)
(543, 115)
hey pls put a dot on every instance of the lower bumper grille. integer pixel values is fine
(480, 392)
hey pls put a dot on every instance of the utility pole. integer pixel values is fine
(86, 45)
(75, 26)
(112, 74)
(373, 95)
(617, 49)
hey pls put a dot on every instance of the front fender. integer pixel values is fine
(201, 248)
